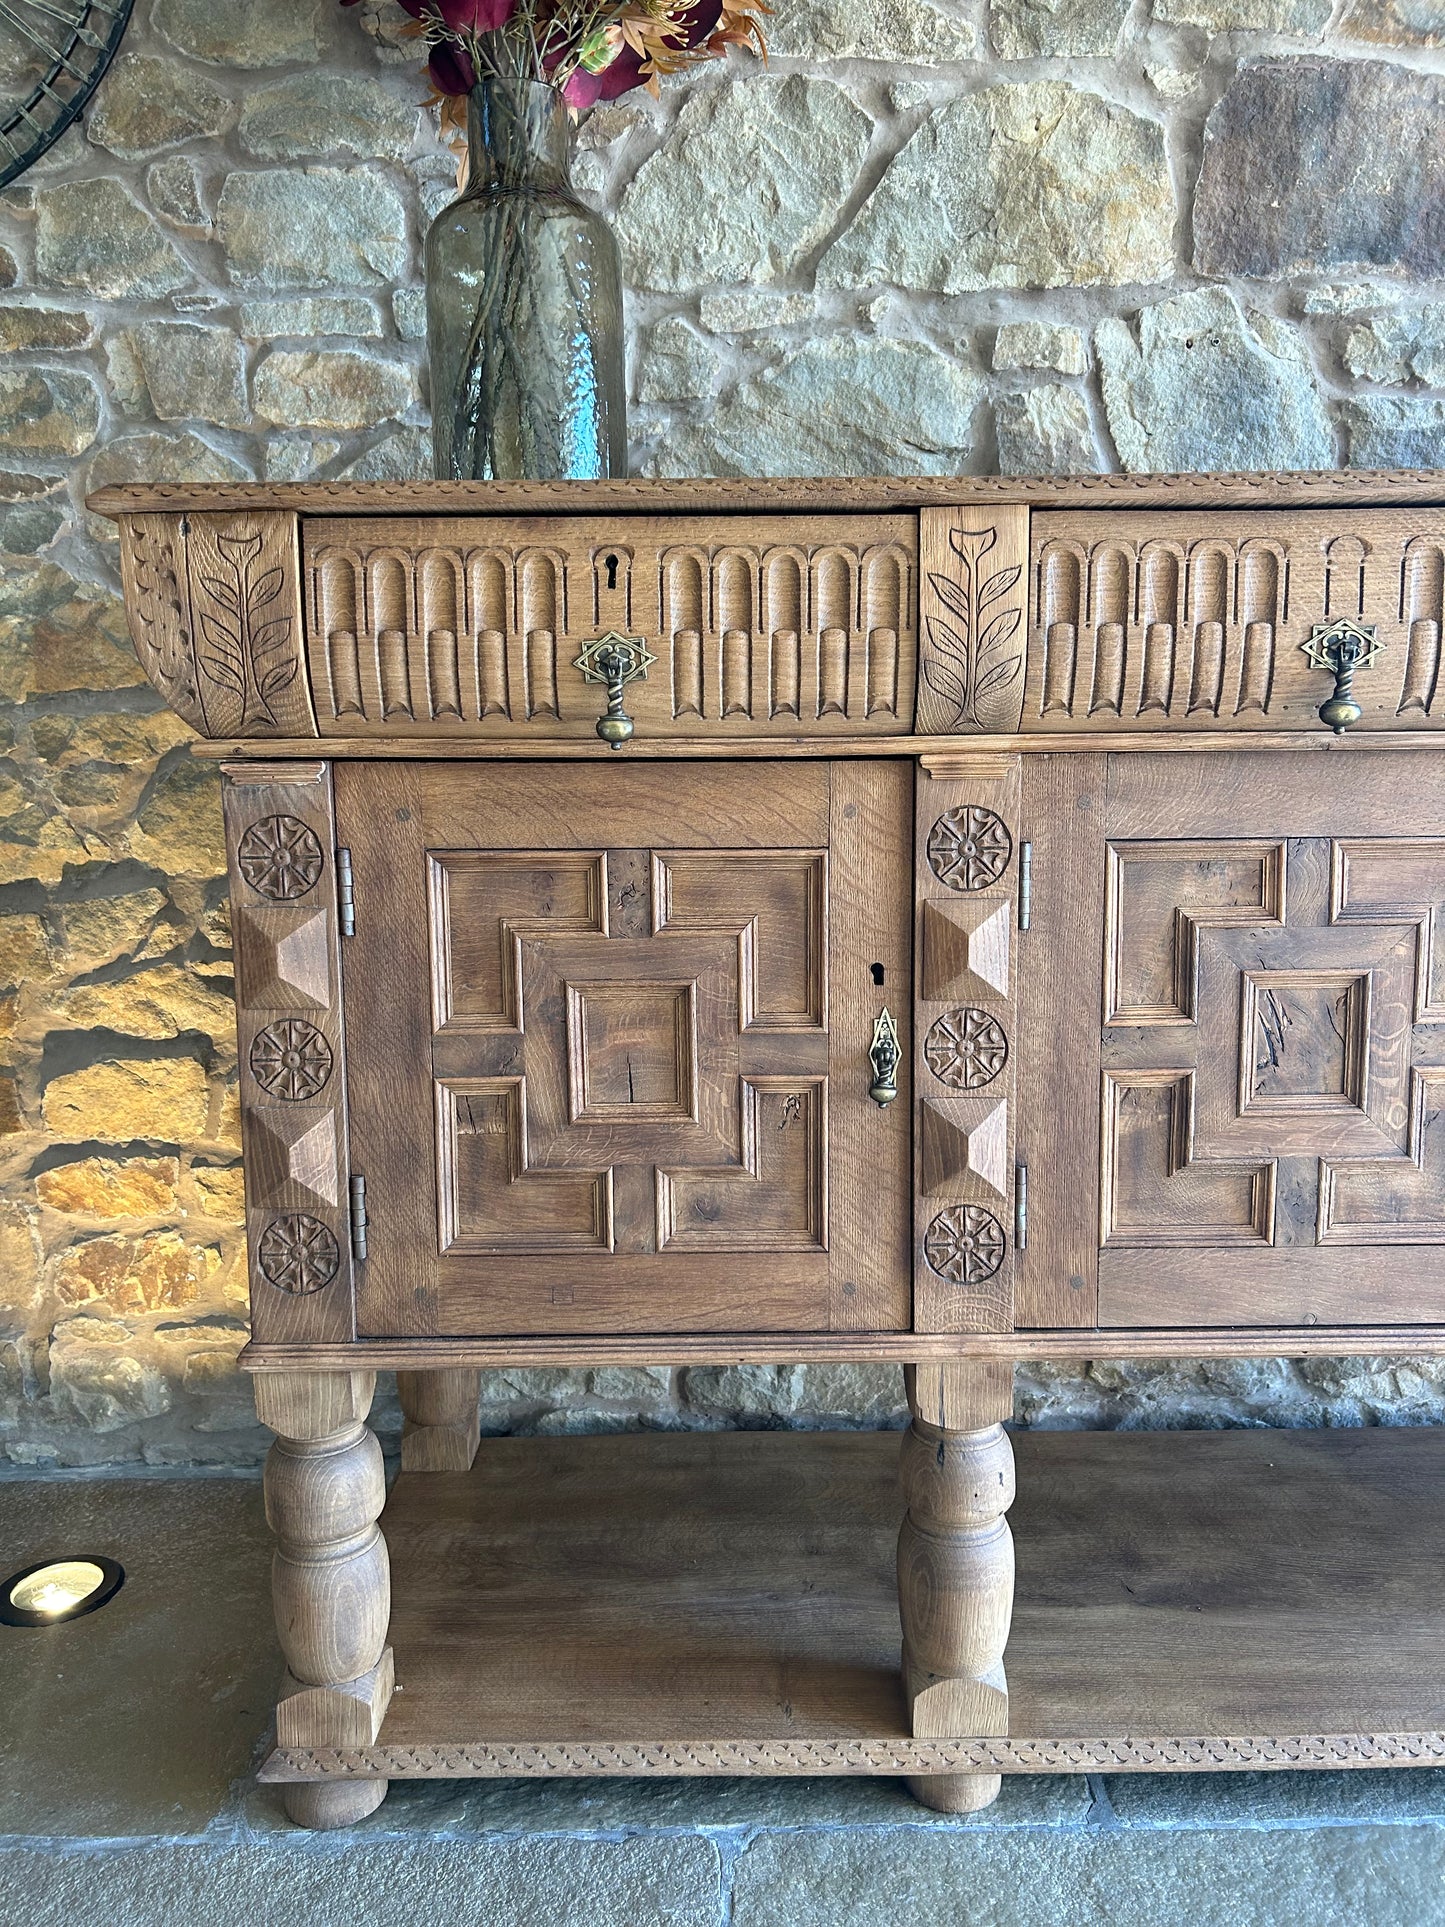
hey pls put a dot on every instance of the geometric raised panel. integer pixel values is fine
(1262, 1080)
(1152, 1193)
(776, 1200)
(493, 1199)
(960, 944)
(1306, 1040)
(283, 959)
(603, 1091)
(1393, 1200)
(963, 1138)
(1157, 895)
(292, 1160)
(630, 1052)
(484, 903)
(621, 1083)
(1396, 880)
(772, 903)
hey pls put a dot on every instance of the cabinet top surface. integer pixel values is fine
(1422, 487)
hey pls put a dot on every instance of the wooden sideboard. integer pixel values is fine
(994, 921)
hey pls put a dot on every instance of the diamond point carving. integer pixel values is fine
(963, 1139)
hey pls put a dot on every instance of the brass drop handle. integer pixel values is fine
(883, 1054)
(614, 660)
(1340, 648)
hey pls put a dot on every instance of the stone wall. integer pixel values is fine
(1001, 235)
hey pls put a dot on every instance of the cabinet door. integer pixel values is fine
(609, 1032)
(1235, 964)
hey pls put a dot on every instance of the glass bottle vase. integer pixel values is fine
(524, 305)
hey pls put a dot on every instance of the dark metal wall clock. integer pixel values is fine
(52, 56)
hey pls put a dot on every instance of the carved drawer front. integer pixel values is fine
(759, 625)
(1268, 1038)
(1170, 619)
(609, 1038)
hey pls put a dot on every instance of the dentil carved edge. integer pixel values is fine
(1141, 1753)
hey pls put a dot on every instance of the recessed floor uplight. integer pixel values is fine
(57, 1589)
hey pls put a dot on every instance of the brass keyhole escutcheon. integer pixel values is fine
(883, 1055)
(1342, 647)
(615, 660)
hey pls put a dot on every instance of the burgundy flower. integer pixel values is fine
(699, 21)
(621, 75)
(451, 69)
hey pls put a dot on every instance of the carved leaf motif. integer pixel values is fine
(248, 653)
(997, 632)
(158, 603)
(222, 662)
(223, 591)
(955, 595)
(999, 583)
(265, 589)
(964, 668)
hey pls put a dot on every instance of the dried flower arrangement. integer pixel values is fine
(524, 281)
(589, 50)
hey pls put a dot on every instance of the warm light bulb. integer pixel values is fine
(56, 1589)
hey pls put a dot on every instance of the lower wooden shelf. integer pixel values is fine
(724, 1603)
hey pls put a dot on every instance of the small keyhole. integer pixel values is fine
(877, 970)
(611, 562)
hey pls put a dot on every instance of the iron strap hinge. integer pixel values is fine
(358, 1217)
(1021, 1207)
(345, 900)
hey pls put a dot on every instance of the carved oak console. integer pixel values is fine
(933, 922)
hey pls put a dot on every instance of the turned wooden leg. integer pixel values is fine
(443, 1425)
(330, 1580)
(956, 1565)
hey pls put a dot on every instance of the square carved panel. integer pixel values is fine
(632, 1053)
(631, 1091)
(1268, 1074)
(608, 1029)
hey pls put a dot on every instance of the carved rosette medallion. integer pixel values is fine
(969, 848)
(291, 1059)
(280, 858)
(965, 1244)
(298, 1254)
(966, 1048)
